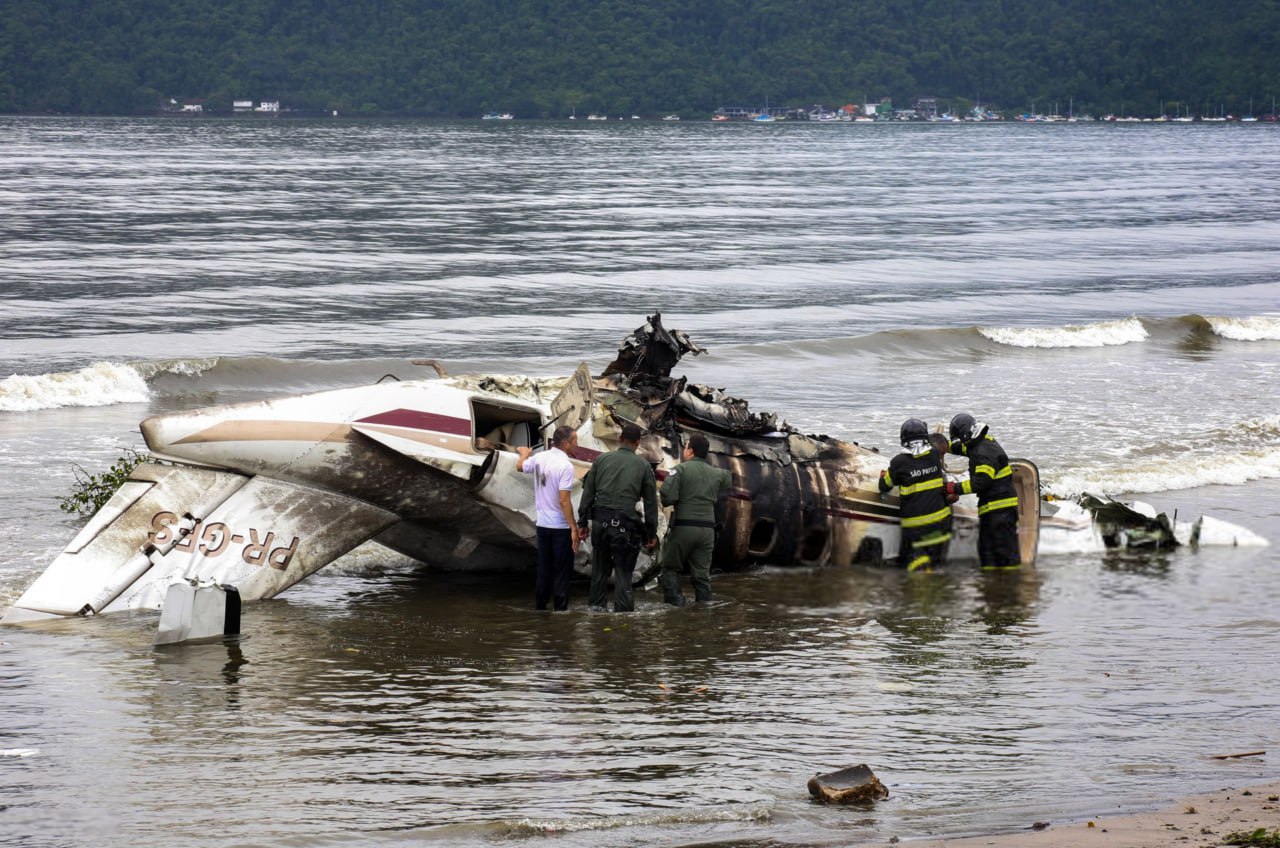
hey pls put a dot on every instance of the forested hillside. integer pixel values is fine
(545, 58)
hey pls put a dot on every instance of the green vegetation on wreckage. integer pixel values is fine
(91, 491)
(546, 58)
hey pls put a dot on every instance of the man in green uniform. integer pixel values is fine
(698, 492)
(610, 491)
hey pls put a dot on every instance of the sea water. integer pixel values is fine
(1105, 297)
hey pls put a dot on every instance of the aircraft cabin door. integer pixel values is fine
(574, 403)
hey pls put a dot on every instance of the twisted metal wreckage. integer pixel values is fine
(257, 496)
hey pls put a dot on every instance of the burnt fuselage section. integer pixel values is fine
(796, 498)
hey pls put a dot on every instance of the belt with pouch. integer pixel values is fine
(614, 518)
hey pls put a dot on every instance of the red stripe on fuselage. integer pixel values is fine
(860, 516)
(415, 420)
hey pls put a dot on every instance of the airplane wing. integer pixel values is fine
(177, 522)
(445, 454)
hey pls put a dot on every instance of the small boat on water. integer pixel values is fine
(670, 117)
(495, 116)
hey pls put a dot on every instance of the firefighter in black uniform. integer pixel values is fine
(924, 498)
(991, 478)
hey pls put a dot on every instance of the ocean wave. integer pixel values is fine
(370, 558)
(1101, 334)
(272, 374)
(99, 384)
(1169, 474)
(106, 383)
(1265, 428)
(732, 814)
(1258, 328)
(150, 369)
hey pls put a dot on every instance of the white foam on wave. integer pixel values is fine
(1102, 334)
(731, 814)
(1260, 328)
(179, 367)
(99, 384)
(369, 558)
(1266, 428)
(1170, 474)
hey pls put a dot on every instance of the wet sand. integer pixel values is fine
(1199, 821)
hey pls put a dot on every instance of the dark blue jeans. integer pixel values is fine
(555, 567)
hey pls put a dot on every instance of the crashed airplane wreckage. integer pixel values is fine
(258, 496)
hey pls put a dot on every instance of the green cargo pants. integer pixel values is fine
(692, 547)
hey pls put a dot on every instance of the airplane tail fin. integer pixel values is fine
(172, 523)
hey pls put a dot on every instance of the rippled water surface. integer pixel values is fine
(1106, 296)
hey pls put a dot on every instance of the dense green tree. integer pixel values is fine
(544, 58)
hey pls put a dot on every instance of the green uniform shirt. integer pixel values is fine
(617, 480)
(695, 488)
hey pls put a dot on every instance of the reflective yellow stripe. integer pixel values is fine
(888, 481)
(931, 540)
(992, 473)
(922, 487)
(966, 488)
(917, 562)
(1001, 567)
(1003, 503)
(931, 518)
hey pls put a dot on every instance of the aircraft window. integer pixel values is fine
(764, 535)
(870, 551)
(507, 427)
(815, 544)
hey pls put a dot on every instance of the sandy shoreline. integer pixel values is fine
(1198, 821)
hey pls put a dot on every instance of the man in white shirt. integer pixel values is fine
(557, 530)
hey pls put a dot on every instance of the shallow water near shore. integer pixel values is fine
(1106, 297)
(386, 704)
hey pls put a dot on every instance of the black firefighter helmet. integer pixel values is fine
(913, 430)
(965, 429)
